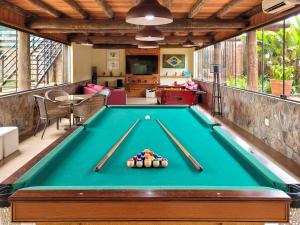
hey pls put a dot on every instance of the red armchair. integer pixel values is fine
(117, 96)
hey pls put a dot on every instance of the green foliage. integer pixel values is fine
(264, 85)
(270, 46)
(277, 72)
(240, 81)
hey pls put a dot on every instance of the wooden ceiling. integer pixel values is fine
(103, 21)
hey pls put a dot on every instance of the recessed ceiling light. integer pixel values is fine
(149, 33)
(149, 12)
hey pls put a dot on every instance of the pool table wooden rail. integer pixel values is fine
(149, 205)
(128, 205)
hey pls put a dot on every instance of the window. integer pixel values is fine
(8, 58)
(266, 60)
(291, 87)
(47, 62)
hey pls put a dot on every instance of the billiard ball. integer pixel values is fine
(130, 163)
(156, 163)
(164, 163)
(148, 163)
(139, 163)
(147, 117)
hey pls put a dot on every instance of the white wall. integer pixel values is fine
(189, 61)
(83, 58)
(81, 62)
(99, 59)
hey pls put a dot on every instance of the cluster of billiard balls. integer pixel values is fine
(147, 158)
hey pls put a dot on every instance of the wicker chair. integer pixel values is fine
(106, 93)
(88, 107)
(52, 94)
(48, 111)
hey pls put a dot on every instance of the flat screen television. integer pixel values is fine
(142, 64)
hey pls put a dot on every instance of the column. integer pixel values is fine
(217, 53)
(252, 61)
(23, 61)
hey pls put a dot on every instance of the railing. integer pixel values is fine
(8, 70)
(42, 61)
(42, 54)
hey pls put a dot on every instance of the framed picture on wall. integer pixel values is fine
(113, 59)
(174, 61)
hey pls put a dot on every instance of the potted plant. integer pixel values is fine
(276, 80)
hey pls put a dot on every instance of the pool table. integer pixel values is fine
(61, 185)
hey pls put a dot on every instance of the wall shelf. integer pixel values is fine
(174, 76)
(112, 76)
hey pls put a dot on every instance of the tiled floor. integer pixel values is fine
(141, 101)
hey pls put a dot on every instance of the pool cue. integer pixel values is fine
(183, 149)
(114, 148)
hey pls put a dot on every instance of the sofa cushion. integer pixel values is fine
(90, 85)
(89, 91)
(98, 87)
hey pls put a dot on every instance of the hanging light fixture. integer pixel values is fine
(87, 42)
(149, 12)
(149, 33)
(188, 43)
(148, 44)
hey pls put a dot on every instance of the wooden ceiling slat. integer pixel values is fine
(131, 39)
(14, 8)
(199, 17)
(107, 10)
(77, 8)
(168, 3)
(44, 6)
(196, 8)
(228, 7)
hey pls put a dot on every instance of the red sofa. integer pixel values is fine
(117, 96)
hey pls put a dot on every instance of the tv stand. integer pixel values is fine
(136, 85)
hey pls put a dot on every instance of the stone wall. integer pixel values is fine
(249, 110)
(19, 109)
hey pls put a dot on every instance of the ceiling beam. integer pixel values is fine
(107, 10)
(128, 46)
(132, 31)
(119, 24)
(15, 8)
(168, 3)
(114, 46)
(196, 8)
(227, 8)
(257, 9)
(74, 5)
(44, 6)
(131, 40)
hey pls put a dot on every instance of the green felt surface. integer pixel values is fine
(71, 165)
